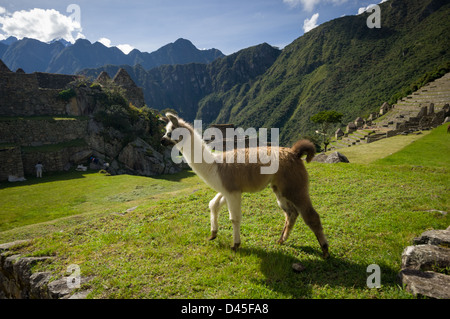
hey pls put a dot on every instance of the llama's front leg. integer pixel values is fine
(234, 208)
(214, 205)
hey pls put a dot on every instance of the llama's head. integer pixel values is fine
(172, 122)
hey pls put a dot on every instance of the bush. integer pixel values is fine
(66, 95)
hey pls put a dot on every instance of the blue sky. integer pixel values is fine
(228, 25)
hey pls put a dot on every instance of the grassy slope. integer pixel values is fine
(370, 214)
(62, 195)
(433, 150)
(369, 153)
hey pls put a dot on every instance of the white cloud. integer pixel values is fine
(364, 9)
(40, 24)
(125, 48)
(2, 10)
(105, 41)
(310, 24)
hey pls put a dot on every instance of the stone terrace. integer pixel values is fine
(426, 108)
(412, 106)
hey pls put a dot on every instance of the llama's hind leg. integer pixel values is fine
(312, 219)
(290, 212)
(291, 215)
(214, 205)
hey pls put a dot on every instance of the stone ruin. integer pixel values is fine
(29, 105)
(424, 109)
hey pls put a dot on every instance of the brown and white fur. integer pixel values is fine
(230, 180)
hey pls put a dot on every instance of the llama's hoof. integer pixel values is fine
(325, 253)
(280, 241)
(235, 246)
(213, 235)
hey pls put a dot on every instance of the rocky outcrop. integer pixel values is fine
(424, 265)
(139, 158)
(18, 282)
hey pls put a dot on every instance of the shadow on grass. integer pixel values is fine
(47, 178)
(65, 176)
(325, 277)
(186, 173)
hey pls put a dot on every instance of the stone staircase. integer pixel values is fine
(424, 109)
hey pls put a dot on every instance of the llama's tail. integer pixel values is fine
(304, 147)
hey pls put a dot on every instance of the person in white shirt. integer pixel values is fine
(39, 168)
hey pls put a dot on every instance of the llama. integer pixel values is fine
(230, 180)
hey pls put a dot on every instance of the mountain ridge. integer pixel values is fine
(190, 88)
(57, 57)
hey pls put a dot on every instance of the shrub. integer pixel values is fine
(67, 94)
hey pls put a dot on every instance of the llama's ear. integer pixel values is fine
(172, 118)
(163, 119)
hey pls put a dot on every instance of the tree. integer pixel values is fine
(325, 119)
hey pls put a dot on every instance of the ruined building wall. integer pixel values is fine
(32, 94)
(35, 132)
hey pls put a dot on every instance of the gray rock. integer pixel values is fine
(335, 157)
(424, 257)
(428, 283)
(430, 253)
(8, 246)
(434, 237)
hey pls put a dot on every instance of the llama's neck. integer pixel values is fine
(198, 155)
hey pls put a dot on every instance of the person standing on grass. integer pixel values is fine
(39, 167)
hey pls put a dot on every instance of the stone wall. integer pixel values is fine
(17, 281)
(54, 161)
(11, 163)
(32, 94)
(37, 132)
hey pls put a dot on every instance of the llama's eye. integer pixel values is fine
(169, 134)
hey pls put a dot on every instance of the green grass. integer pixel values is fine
(370, 213)
(62, 195)
(369, 153)
(432, 150)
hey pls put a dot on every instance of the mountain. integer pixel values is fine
(31, 55)
(195, 90)
(345, 66)
(9, 40)
(341, 65)
(61, 57)
(182, 51)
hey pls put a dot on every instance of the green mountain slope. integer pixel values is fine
(346, 66)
